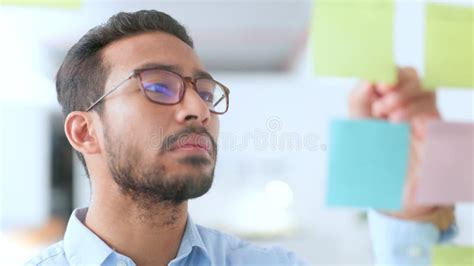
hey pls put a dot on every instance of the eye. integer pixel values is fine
(207, 96)
(159, 88)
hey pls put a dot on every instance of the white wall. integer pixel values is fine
(25, 153)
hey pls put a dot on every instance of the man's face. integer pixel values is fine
(150, 148)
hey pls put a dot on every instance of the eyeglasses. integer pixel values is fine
(168, 88)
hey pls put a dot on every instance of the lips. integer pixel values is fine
(193, 141)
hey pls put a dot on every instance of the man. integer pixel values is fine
(143, 114)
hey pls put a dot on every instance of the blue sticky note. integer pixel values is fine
(368, 162)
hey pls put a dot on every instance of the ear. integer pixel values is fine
(81, 133)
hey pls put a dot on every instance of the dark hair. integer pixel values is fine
(82, 76)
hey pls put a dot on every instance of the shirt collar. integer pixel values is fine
(82, 246)
(191, 240)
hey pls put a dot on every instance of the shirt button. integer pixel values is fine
(122, 263)
(415, 251)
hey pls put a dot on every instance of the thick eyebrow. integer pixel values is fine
(174, 68)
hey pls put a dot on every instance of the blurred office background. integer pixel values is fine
(270, 192)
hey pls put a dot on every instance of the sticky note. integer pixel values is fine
(368, 162)
(354, 39)
(449, 46)
(447, 166)
(44, 3)
(453, 256)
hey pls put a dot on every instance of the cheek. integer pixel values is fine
(152, 131)
(138, 143)
(214, 126)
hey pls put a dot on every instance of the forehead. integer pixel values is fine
(130, 52)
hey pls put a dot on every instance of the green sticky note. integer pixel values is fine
(43, 3)
(354, 39)
(368, 162)
(453, 256)
(449, 46)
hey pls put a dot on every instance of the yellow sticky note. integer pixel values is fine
(449, 46)
(354, 39)
(453, 256)
(43, 3)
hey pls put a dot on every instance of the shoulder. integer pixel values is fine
(236, 251)
(52, 255)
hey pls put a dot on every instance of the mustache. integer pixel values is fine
(183, 135)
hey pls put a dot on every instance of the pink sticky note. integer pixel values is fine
(447, 171)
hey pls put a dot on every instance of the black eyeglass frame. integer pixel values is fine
(137, 74)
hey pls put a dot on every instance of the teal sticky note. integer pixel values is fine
(368, 162)
(354, 39)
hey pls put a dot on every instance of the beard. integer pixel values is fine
(154, 183)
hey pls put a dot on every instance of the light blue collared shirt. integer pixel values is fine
(395, 242)
(199, 246)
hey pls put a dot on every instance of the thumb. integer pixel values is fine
(361, 98)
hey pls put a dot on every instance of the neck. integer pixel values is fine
(149, 234)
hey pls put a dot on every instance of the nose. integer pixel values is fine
(192, 107)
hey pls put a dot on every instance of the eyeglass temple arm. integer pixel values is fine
(112, 90)
(220, 99)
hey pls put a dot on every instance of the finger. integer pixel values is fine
(362, 90)
(383, 88)
(388, 103)
(397, 99)
(360, 100)
(403, 74)
(378, 109)
(407, 74)
(412, 89)
(410, 84)
(425, 105)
